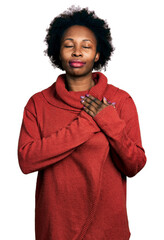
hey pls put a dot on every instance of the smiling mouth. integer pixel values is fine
(76, 64)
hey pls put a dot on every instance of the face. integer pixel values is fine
(78, 50)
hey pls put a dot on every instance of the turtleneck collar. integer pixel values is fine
(58, 95)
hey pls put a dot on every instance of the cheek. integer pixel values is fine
(63, 55)
(92, 59)
(92, 56)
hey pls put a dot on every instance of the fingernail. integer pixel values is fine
(113, 103)
(109, 101)
(105, 98)
(87, 95)
(82, 96)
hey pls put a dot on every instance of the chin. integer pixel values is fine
(79, 72)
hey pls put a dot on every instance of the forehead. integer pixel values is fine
(79, 32)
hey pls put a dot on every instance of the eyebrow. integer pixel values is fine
(72, 39)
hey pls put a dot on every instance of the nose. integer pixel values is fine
(76, 52)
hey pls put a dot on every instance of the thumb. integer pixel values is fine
(105, 101)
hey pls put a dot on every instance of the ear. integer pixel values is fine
(97, 56)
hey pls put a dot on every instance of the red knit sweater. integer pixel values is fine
(82, 162)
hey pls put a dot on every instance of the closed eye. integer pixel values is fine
(72, 46)
(68, 46)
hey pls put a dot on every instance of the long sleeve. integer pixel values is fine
(36, 153)
(123, 133)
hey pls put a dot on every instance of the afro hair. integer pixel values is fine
(83, 17)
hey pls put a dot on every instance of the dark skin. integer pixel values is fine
(79, 43)
(93, 105)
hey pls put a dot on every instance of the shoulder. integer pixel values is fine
(117, 92)
(37, 99)
(117, 95)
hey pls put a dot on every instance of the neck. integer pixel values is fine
(81, 83)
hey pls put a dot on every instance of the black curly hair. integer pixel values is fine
(82, 17)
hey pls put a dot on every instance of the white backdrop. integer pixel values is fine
(136, 67)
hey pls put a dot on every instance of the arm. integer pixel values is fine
(124, 137)
(36, 153)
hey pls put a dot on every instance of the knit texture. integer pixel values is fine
(82, 161)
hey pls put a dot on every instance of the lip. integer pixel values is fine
(76, 63)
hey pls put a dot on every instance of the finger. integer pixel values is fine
(105, 101)
(91, 107)
(113, 104)
(91, 102)
(94, 100)
(91, 113)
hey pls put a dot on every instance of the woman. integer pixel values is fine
(82, 136)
